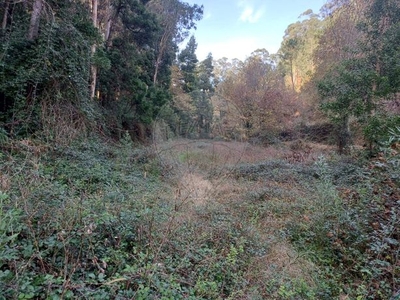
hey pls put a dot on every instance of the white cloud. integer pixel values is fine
(207, 16)
(249, 12)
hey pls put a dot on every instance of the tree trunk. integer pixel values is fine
(292, 74)
(35, 20)
(109, 17)
(93, 67)
(112, 15)
(158, 61)
(108, 30)
(167, 10)
(344, 136)
(163, 45)
(5, 16)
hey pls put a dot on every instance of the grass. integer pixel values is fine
(194, 220)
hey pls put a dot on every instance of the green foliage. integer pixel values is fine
(127, 91)
(344, 218)
(349, 91)
(349, 233)
(73, 218)
(52, 69)
(3, 136)
(44, 79)
(193, 89)
(100, 59)
(187, 62)
(10, 228)
(95, 214)
(100, 216)
(205, 74)
(363, 86)
(204, 112)
(378, 128)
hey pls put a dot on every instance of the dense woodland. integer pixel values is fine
(114, 66)
(87, 85)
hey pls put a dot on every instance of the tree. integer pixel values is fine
(257, 90)
(177, 19)
(205, 74)
(347, 92)
(5, 14)
(44, 65)
(187, 60)
(223, 69)
(297, 49)
(94, 4)
(35, 20)
(56, 55)
(126, 88)
(382, 44)
(340, 36)
(361, 86)
(193, 89)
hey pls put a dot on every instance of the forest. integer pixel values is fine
(130, 169)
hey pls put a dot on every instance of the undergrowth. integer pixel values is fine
(96, 220)
(342, 214)
(352, 230)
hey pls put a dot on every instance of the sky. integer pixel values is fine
(235, 28)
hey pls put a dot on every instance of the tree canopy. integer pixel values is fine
(51, 51)
(114, 65)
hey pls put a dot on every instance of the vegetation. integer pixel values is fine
(129, 169)
(96, 220)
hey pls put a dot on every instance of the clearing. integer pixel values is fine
(195, 219)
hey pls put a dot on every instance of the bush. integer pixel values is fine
(352, 227)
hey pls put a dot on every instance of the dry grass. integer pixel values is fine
(196, 188)
(283, 259)
(203, 186)
(280, 264)
(304, 152)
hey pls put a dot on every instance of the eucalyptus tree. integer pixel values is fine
(297, 48)
(141, 40)
(381, 45)
(338, 56)
(177, 18)
(224, 67)
(116, 51)
(340, 34)
(35, 19)
(337, 39)
(94, 8)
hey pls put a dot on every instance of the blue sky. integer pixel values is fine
(235, 28)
